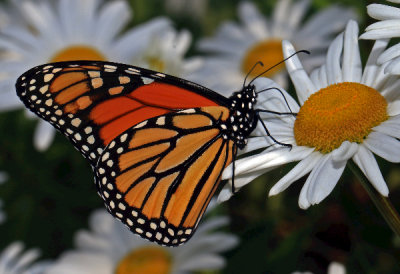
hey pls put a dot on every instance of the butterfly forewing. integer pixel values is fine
(94, 102)
(159, 176)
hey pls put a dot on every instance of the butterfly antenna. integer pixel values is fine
(283, 95)
(269, 134)
(274, 66)
(250, 71)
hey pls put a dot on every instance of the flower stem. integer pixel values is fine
(383, 203)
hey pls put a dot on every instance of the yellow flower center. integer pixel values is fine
(155, 63)
(78, 52)
(269, 52)
(149, 260)
(339, 112)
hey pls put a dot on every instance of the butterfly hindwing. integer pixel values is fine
(159, 175)
(93, 102)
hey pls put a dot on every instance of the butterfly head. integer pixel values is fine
(243, 119)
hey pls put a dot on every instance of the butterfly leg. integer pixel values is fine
(233, 169)
(267, 131)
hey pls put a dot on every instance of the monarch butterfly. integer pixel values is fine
(157, 144)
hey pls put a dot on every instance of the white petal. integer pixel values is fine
(304, 203)
(202, 262)
(303, 84)
(111, 20)
(382, 30)
(225, 194)
(324, 178)
(44, 135)
(336, 268)
(384, 146)
(136, 40)
(316, 25)
(393, 66)
(389, 54)
(86, 240)
(268, 160)
(371, 66)
(390, 127)
(182, 41)
(333, 70)
(82, 263)
(3, 177)
(352, 70)
(383, 12)
(11, 252)
(368, 165)
(344, 152)
(301, 169)
(255, 23)
(394, 108)
(212, 224)
(279, 17)
(215, 242)
(390, 88)
(274, 97)
(297, 13)
(24, 260)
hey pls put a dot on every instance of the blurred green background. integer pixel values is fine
(49, 195)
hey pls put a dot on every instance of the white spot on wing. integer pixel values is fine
(161, 121)
(48, 77)
(147, 80)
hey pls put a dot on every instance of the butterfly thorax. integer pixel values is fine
(242, 120)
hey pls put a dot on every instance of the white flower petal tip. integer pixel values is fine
(384, 146)
(303, 84)
(273, 191)
(368, 165)
(300, 170)
(44, 136)
(336, 268)
(304, 203)
(14, 260)
(225, 194)
(394, 108)
(321, 181)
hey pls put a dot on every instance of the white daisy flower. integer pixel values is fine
(388, 27)
(166, 51)
(236, 48)
(345, 113)
(65, 30)
(111, 248)
(14, 261)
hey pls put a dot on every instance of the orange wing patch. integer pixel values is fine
(185, 148)
(164, 182)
